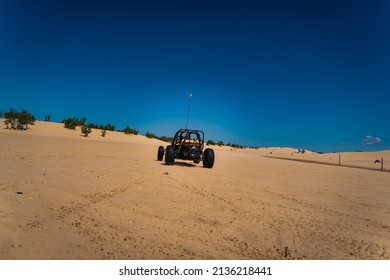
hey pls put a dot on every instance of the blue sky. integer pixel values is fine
(306, 74)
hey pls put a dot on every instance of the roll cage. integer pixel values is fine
(184, 136)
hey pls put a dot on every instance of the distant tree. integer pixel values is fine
(86, 130)
(237, 146)
(109, 127)
(104, 132)
(11, 118)
(210, 142)
(47, 118)
(166, 139)
(150, 135)
(70, 123)
(25, 118)
(128, 130)
(92, 125)
(18, 120)
(220, 143)
(81, 122)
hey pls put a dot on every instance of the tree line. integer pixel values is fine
(20, 120)
(86, 129)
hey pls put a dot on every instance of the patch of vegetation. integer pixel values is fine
(72, 123)
(166, 139)
(92, 125)
(128, 130)
(104, 132)
(151, 135)
(236, 146)
(86, 130)
(210, 142)
(18, 120)
(109, 127)
(220, 143)
(47, 118)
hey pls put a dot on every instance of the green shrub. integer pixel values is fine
(104, 132)
(150, 135)
(86, 130)
(92, 125)
(18, 120)
(210, 142)
(220, 143)
(107, 127)
(166, 139)
(11, 118)
(70, 123)
(128, 130)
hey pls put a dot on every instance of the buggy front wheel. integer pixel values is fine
(160, 153)
(170, 155)
(208, 158)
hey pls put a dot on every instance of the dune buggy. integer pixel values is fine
(187, 145)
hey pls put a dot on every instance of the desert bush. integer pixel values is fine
(104, 132)
(47, 118)
(70, 123)
(107, 127)
(11, 118)
(210, 142)
(166, 139)
(18, 120)
(220, 143)
(81, 122)
(151, 135)
(237, 146)
(92, 125)
(25, 118)
(86, 130)
(128, 130)
(110, 127)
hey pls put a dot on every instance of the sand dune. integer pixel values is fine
(64, 196)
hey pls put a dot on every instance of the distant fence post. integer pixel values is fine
(382, 165)
(339, 159)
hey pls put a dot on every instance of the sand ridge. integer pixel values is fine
(64, 196)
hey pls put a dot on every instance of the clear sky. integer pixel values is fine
(306, 74)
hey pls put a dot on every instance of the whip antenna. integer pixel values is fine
(189, 106)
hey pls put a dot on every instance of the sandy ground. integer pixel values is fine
(64, 196)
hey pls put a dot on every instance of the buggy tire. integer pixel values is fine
(170, 155)
(208, 158)
(160, 153)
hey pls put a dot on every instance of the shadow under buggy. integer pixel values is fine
(187, 145)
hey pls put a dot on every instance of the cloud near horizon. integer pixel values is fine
(371, 140)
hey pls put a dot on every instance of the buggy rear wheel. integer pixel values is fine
(170, 155)
(208, 158)
(160, 153)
